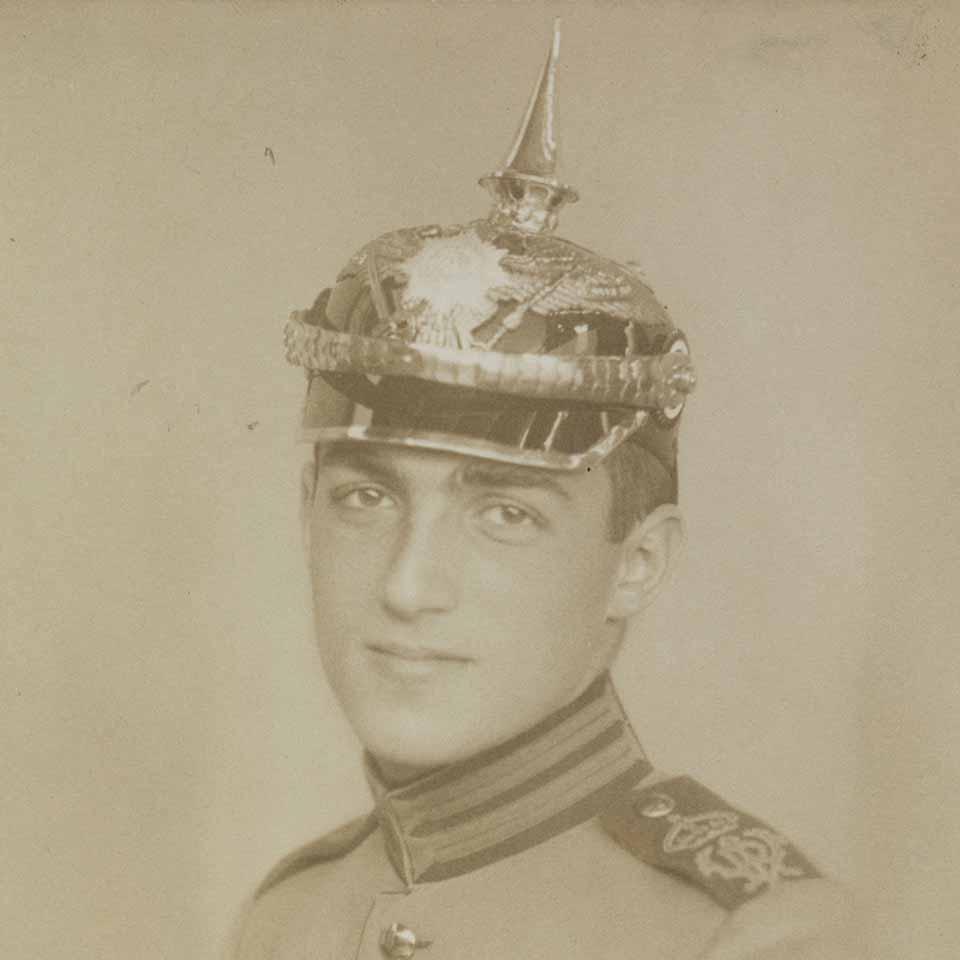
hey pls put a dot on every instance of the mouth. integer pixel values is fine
(415, 654)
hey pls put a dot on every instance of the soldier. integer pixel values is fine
(492, 498)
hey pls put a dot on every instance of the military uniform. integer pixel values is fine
(494, 339)
(564, 842)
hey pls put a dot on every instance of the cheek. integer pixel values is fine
(542, 632)
(551, 606)
(345, 570)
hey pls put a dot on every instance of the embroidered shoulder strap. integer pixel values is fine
(338, 843)
(682, 827)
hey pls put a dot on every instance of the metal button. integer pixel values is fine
(655, 805)
(399, 942)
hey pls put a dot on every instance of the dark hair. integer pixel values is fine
(640, 483)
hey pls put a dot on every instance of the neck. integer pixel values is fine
(507, 798)
(398, 773)
(393, 774)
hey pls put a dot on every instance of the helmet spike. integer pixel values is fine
(534, 150)
(526, 191)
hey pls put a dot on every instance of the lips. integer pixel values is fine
(416, 654)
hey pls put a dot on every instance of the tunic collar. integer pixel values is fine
(556, 775)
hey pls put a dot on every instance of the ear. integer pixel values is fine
(651, 552)
(308, 489)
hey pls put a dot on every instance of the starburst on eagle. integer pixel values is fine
(447, 291)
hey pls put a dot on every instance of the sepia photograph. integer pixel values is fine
(478, 480)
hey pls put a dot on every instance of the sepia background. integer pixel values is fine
(175, 178)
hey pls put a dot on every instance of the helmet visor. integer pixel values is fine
(521, 430)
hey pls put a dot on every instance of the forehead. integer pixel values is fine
(411, 465)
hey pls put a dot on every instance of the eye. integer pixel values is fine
(507, 515)
(365, 497)
(510, 523)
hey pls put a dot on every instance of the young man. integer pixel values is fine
(492, 497)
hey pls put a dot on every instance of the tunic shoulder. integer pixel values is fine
(272, 916)
(331, 846)
(676, 824)
(809, 919)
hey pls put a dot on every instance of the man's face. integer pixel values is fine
(457, 601)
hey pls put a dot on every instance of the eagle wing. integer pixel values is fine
(566, 279)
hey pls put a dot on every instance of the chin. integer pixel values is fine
(418, 748)
(416, 741)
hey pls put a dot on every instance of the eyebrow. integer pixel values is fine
(473, 473)
(506, 475)
(363, 460)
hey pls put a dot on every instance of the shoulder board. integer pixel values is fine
(338, 843)
(680, 826)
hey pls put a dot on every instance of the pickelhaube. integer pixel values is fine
(495, 338)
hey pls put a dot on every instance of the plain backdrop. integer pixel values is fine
(175, 178)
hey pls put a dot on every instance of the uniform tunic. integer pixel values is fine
(563, 842)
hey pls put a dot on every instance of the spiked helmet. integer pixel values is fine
(495, 338)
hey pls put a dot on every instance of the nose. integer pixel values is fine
(423, 576)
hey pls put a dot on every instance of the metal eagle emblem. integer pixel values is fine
(466, 287)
